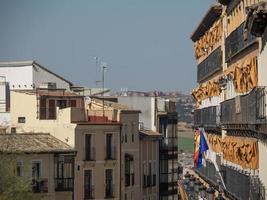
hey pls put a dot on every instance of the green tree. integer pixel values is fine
(14, 186)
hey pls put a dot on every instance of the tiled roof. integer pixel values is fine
(150, 133)
(116, 106)
(50, 92)
(32, 143)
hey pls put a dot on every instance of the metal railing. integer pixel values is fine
(249, 109)
(237, 41)
(40, 185)
(210, 65)
(237, 183)
(207, 117)
(257, 189)
(63, 184)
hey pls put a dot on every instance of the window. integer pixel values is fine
(64, 167)
(52, 109)
(89, 150)
(132, 132)
(43, 109)
(73, 103)
(19, 169)
(110, 150)
(62, 104)
(129, 170)
(88, 185)
(109, 190)
(21, 119)
(36, 170)
(125, 132)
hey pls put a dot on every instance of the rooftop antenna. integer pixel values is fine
(96, 68)
(104, 67)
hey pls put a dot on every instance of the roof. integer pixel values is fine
(50, 92)
(33, 63)
(32, 143)
(212, 15)
(150, 133)
(116, 106)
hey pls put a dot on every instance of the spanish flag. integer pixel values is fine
(201, 146)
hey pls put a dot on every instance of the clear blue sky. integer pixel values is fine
(146, 43)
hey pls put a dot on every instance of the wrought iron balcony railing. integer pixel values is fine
(249, 109)
(63, 184)
(237, 41)
(207, 117)
(211, 65)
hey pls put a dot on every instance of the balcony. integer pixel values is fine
(63, 184)
(237, 41)
(211, 65)
(89, 192)
(208, 118)
(245, 111)
(40, 185)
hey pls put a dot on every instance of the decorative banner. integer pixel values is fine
(238, 150)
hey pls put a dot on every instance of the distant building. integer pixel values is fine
(159, 115)
(149, 163)
(25, 75)
(230, 51)
(51, 162)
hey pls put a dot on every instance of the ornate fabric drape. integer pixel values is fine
(238, 150)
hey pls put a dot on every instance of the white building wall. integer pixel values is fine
(262, 67)
(2, 94)
(147, 107)
(262, 163)
(19, 78)
(41, 76)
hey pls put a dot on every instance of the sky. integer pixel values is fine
(145, 43)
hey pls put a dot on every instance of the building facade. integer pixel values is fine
(45, 160)
(159, 115)
(231, 97)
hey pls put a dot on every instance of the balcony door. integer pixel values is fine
(109, 146)
(109, 183)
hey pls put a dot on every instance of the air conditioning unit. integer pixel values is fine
(48, 85)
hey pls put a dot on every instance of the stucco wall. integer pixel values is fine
(98, 167)
(18, 77)
(262, 162)
(147, 107)
(25, 105)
